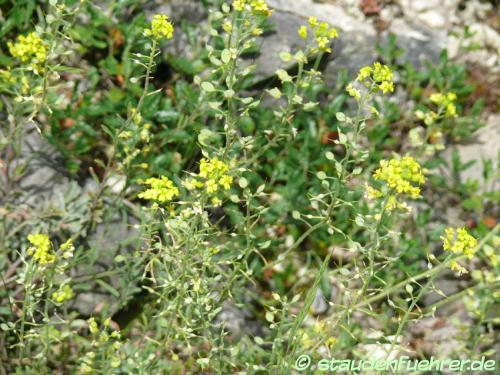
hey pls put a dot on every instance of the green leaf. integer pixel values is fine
(225, 56)
(207, 86)
(108, 287)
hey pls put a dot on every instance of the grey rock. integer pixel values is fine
(319, 305)
(115, 234)
(419, 42)
(434, 13)
(179, 10)
(444, 285)
(44, 178)
(351, 52)
(356, 44)
(239, 322)
(45, 189)
(283, 38)
(90, 303)
(353, 49)
(438, 337)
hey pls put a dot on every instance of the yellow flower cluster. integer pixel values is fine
(161, 28)
(41, 251)
(377, 77)
(399, 176)
(29, 48)
(445, 101)
(161, 190)
(381, 75)
(215, 173)
(459, 241)
(63, 294)
(323, 33)
(239, 5)
(257, 7)
(303, 32)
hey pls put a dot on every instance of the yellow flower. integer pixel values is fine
(227, 26)
(212, 176)
(161, 28)
(215, 172)
(211, 186)
(260, 8)
(400, 174)
(239, 5)
(160, 190)
(459, 241)
(257, 31)
(213, 168)
(382, 73)
(451, 110)
(226, 181)
(313, 22)
(386, 87)
(445, 101)
(436, 98)
(364, 73)
(323, 43)
(355, 93)
(378, 76)
(216, 201)
(63, 294)
(41, 251)
(324, 34)
(29, 48)
(303, 32)
(330, 342)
